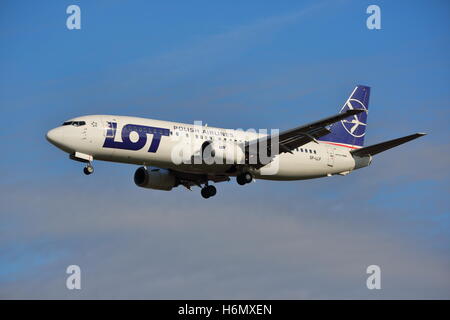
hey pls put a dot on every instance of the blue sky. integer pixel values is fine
(230, 64)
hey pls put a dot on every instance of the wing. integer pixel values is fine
(293, 138)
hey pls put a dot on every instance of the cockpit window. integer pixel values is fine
(74, 123)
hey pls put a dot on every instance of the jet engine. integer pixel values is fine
(155, 178)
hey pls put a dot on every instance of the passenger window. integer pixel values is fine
(315, 152)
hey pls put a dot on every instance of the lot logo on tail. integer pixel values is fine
(140, 137)
(356, 125)
(351, 131)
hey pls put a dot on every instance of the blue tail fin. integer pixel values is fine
(351, 131)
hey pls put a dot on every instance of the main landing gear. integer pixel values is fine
(208, 191)
(89, 169)
(244, 178)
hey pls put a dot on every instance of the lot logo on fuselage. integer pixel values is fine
(142, 132)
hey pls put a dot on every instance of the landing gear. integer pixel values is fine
(208, 191)
(89, 169)
(244, 178)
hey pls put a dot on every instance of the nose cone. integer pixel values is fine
(55, 137)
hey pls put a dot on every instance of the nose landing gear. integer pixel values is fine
(85, 158)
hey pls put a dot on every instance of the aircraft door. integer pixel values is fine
(330, 151)
(109, 127)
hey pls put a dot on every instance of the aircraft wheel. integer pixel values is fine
(248, 177)
(208, 191)
(212, 191)
(88, 170)
(244, 178)
(240, 180)
(205, 193)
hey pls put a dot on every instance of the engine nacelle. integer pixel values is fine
(222, 153)
(155, 178)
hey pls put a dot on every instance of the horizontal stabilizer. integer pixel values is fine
(383, 146)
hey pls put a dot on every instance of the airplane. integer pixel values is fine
(172, 154)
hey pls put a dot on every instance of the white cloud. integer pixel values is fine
(137, 243)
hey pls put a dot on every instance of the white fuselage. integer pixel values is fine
(102, 138)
